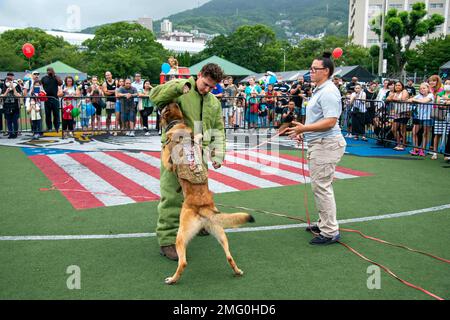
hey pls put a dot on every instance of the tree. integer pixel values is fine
(253, 47)
(124, 49)
(308, 49)
(429, 56)
(9, 60)
(401, 29)
(45, 47)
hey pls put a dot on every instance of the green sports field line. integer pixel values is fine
(245, 229)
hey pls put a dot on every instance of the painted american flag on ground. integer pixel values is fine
(110, 178)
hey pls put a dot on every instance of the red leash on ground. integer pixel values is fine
(308, 221)
(387, 270)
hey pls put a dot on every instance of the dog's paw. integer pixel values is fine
(239, 272)
(170, 280)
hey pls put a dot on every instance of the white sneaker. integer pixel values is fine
(434, 156)
(132, 134)
(128, 133)
(147, 133)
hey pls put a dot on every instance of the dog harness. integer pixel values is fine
(187, 158)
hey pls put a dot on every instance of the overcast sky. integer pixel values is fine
(62, 14)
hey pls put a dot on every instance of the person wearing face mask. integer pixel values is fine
(358, 103)
(51, 84)
(443, 98)
(202, 112)
(11, 92)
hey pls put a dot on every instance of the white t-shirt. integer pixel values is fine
(424, 110)
(358, 104)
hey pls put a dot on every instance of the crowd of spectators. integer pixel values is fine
(64, 104)
(391, 109)
(406, 114)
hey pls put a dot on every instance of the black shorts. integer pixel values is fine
(98, 109)
(401, 120)
(108, 111)
(67, 125)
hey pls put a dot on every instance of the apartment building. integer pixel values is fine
(362, 12)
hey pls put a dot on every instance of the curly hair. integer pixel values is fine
(212, 71)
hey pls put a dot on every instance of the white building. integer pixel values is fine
(361, 12)
(166, 26)
(78, 38)
(146, 23)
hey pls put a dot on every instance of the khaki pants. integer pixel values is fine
(323, 155)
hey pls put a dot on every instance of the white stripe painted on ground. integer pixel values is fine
(266, 228)
(214, 186)
(266, 169)
(245, 177)
(148, 182)
(99, 188)
(295, 164)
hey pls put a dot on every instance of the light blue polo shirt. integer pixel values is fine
(324, 103)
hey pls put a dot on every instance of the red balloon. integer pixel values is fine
(337, 53)
(28, 50)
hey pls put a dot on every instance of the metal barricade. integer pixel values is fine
(398, 124)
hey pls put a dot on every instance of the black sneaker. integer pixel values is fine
(312, 228)
(322, 240)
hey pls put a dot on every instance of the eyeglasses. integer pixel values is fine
(314, 69)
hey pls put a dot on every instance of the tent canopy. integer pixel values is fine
(62, 70)
(445, 66)
(287, 76)
(228, 67)
(348, 72)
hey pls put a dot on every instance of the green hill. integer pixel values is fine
(285, 17)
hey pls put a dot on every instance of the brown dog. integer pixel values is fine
(198, 210)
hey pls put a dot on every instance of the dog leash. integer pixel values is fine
(354, 251)
(308, 221)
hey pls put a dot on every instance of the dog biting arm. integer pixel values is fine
(168, 92)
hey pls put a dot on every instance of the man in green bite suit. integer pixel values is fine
(202, 112)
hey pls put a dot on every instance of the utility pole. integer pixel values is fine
(284, 59)
(380, 61)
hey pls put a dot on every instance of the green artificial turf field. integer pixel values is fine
(278, 264)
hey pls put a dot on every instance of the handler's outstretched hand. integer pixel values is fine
(295, 131)
(216, 165)
(186, 88)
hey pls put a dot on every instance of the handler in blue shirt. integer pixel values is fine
(326, 146)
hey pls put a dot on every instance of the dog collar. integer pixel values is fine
(172, 124)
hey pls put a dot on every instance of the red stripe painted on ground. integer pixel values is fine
(281, 166)
(81, 199)
(230, 181)
(255, 172)
(136, 163)
(114, 178)
(153, 154)
(238, 167)
(301, 160)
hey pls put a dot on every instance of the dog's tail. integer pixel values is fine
(232, 220)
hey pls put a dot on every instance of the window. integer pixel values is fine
(436, 5)
(396, 5)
